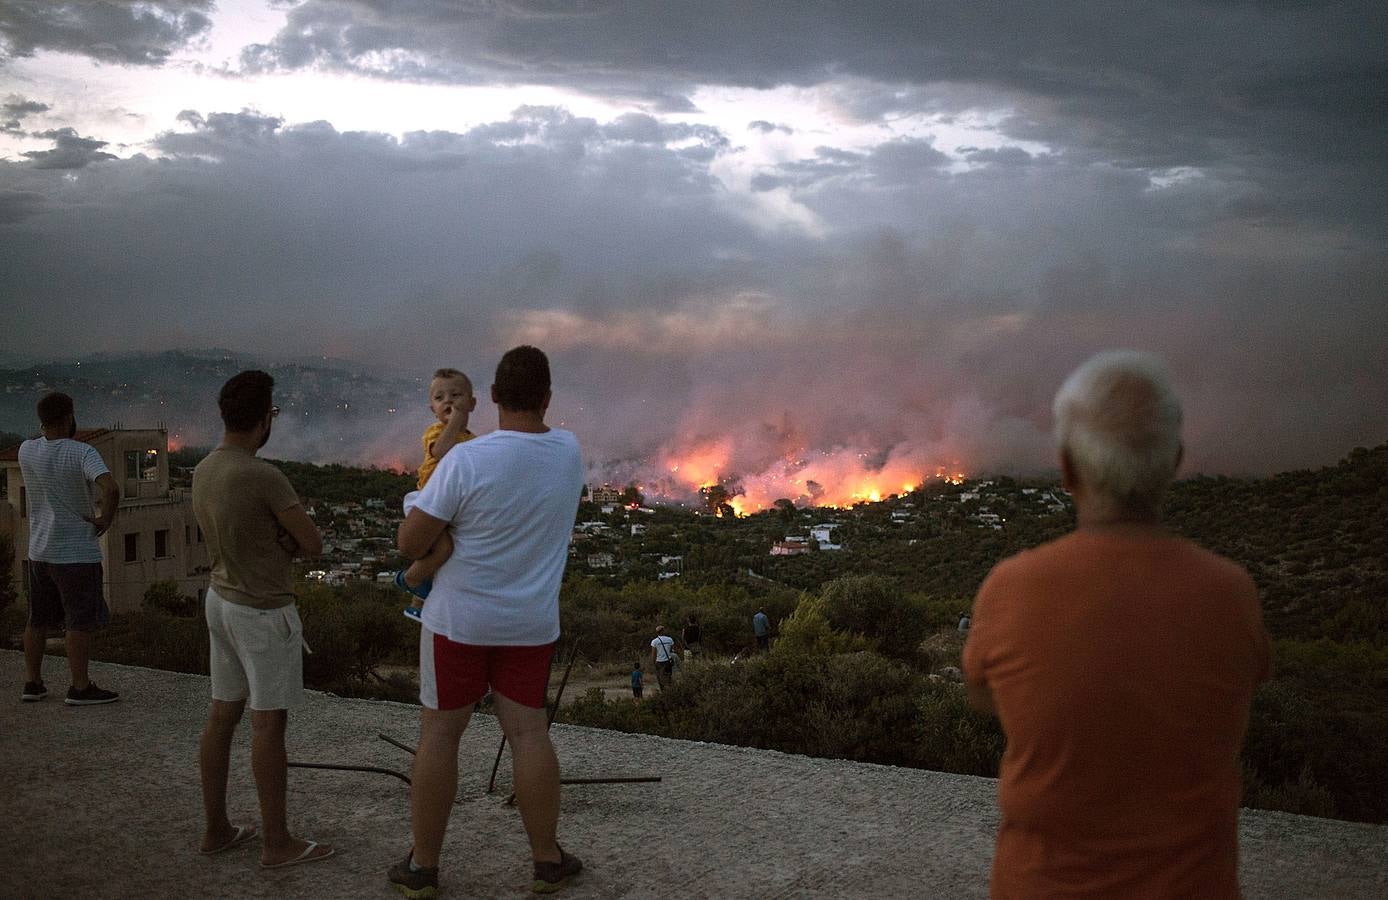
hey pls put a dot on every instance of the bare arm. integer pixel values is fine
(295, 521)
(418, 533)
(110, 503)
(457, 421)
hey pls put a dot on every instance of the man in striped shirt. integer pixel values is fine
(65, 576)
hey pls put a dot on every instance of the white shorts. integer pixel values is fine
(256, 653)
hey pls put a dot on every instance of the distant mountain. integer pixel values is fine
(330, 412)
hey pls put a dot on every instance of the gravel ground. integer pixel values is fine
(104, 802)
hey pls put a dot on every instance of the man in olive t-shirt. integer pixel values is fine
(254, 526)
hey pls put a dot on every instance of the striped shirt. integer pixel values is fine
(58, 476)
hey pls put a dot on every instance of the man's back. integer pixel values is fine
(1122, 665)
(57, 479)
(510, 498)
(236, 498)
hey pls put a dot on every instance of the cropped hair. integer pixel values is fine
(522, 379)
(245, 400)
(1119, 421)
(54, 409)
(452, 373)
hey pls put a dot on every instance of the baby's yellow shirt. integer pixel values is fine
(431, 434)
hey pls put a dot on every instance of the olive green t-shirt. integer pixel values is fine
(236, 498)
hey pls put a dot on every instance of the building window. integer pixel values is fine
(161, 543)
(199, 534)
(23, 502)
(187, 535)
(142, 465)
(132, 547)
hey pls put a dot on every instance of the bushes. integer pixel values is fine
(859, 706)
(807, 631)
(953, 737)
(872, 606)
(352, 632)
(155, 639)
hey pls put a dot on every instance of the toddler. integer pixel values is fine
(452, 402)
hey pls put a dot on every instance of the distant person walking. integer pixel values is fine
(65, 575)
(964, 622)
(663, 656)
(1121, 660)
(255, 526)
(693, 636)
(761, 630)
(508, 498)
(637, 680)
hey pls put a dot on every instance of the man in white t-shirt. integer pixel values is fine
(663, 655)
(65, 576)
(508, 500)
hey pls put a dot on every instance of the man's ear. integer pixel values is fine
(472, 404)
(494, 400)
(549, 395)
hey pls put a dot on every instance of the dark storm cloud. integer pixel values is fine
(1187, 76)
(15, 109)
(70, 150)
(129, 32)
(893, 308)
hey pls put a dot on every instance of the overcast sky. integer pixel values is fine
(763, 232)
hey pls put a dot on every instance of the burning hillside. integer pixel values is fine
(838, 477)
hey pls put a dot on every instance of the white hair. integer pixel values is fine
(1119, 421)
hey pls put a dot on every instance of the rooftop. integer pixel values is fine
(103, 801)
(85, 435)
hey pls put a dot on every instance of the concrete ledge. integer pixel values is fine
(104, 802)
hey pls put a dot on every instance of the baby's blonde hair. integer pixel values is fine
(453, 373)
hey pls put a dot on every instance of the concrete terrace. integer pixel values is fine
(104, 802)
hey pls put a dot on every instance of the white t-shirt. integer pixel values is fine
(510, 498)
(663, 645)
(58, 477)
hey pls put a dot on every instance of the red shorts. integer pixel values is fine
(453, 675)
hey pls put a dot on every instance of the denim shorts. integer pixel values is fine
(66, 595)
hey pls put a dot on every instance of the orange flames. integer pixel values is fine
(838, 478)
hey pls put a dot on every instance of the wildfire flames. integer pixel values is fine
(836, 478)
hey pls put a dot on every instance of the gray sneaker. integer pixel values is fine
(91, 695)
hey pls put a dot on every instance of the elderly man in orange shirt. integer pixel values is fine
(1121, 660)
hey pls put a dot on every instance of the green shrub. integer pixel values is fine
(156, 640)
(807, 631)
(850, 706)
(351, 633)
(953, 736)
(164, 597)
(874, 607)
